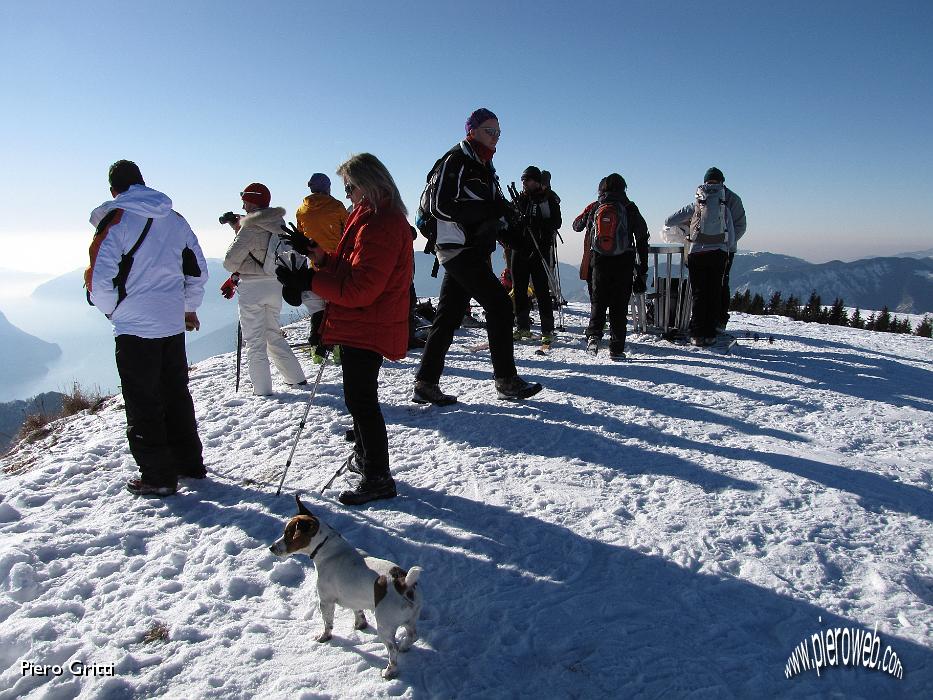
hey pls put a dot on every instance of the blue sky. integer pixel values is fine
(818, 113)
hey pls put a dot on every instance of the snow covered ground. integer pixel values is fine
(672, 526)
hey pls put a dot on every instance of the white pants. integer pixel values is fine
(260, 305)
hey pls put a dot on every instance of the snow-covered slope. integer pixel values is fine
(673, 526)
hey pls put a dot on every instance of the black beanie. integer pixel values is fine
(531, 173)
(714, 175)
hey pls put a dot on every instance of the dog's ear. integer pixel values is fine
(302, 510)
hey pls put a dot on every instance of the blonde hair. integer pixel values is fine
(367, 172)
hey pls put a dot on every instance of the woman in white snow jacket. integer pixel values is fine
(259, 293)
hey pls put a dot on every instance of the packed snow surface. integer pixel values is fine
(671, 526)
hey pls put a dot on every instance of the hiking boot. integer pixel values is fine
(138, 487)
(592, 345)
(521, 334)
(349, 436)
(547, 338)
(369, 490)
(431, 393)
(616, 355)
(516, 388)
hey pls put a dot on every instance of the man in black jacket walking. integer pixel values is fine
(471, 215)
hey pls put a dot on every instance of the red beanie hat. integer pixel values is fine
(258, 194)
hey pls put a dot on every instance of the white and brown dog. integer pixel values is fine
(348, 577)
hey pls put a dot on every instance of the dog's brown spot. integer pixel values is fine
(398, 575)
(380, 589)
(300, 531)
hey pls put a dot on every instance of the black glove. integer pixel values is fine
(294, 280)
(296, 239)
(640, 284)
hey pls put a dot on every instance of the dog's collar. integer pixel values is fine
(317, 549)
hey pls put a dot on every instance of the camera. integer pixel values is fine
(229, 217)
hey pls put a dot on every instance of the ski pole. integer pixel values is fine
(304, 418)
(239, 353)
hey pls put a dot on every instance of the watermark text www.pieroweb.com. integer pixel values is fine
(850, 647)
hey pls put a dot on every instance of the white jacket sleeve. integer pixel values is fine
(103, 294)
(194, 283)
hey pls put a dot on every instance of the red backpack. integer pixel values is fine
(611, 235)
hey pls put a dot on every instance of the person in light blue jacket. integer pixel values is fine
(711, 255)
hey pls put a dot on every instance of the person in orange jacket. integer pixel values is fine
(322, 219)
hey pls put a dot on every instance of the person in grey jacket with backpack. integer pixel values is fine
(250, 258)
(616, 231)
(716, 221)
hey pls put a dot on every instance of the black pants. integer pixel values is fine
(612, 277)
(314, 337)
(525, 266)
(706, 271)
(726, 296)
(470, 275)
(160, 423)
(361, 395)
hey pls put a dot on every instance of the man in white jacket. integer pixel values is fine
(147, 275)
(259, 292)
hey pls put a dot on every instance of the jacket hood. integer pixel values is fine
(614, 196)
(138, 199)
(270, 219)
(321, 200)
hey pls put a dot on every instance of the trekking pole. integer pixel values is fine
(304, 418)
(239, 354)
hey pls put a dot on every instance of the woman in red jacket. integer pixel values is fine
(366, 285)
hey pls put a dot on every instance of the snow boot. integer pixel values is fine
(369, 490)
(138, 487)
(521, 334)
(592, 345)
(431, 393)
(516, 388)
(616, 356)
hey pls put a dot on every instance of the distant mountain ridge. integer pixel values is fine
(24, 354)
(903, 284)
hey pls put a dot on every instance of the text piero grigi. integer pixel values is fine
(843, 647)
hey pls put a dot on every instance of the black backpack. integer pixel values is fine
(426, 222)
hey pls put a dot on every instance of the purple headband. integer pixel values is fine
(478, 117)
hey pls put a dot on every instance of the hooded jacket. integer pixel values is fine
(367, 283)
(542, 211)
(735, 224)
(322, 218)
(168, 274)
(637, 226)
(247, 251)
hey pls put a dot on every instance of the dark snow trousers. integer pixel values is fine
(612, 277)
(160, 423)
(525, 267)
(361, 395)
(726, 296)
(706, 271)
(469, 275)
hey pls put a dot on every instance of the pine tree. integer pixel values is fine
(746, 300)
(925, 327)
(735, 304)
(792, 308)
(775, 305)
(857, 321)
(757, 305)
(906, 327)
(883, 321)
(811, 312)
(837, 314)
(870, 322)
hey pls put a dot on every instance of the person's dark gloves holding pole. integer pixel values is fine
(295, 278)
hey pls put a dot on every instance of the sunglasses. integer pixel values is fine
(348, 188)
(492, 131)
